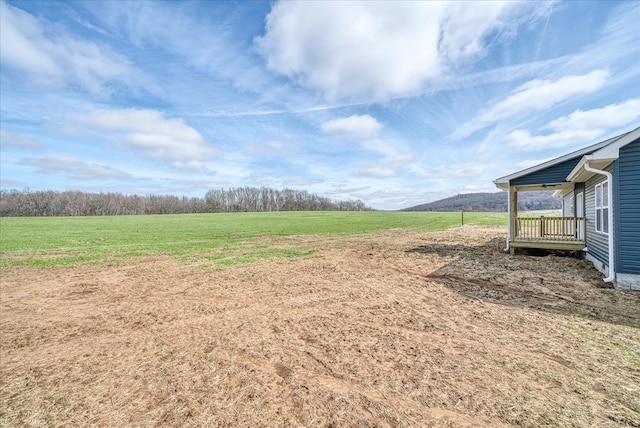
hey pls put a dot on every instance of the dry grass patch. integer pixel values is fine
(396, 328)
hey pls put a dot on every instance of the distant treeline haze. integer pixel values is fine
(497, 202)
(26, 203)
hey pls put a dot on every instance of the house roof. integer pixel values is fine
(603, 157)
(604, 148)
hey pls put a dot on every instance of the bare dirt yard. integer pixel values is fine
(394, 328)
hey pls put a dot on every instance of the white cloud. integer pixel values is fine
(9, 183)
(189, 185)
(356, 126)
(536, 95)
(523, 140)
(197, 35)
(387, 167)
(529, 163)
(469, 170)
(152, 135)
(269, 149)
(265, 178)
(613, 115)
(579, 127)
(465, 27)
(301, 182)
(188, 165)
(46, 55)
(77, 169)
(542, 94)
(377, 50)
(16, 140)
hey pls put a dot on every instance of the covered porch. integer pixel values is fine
(565, 232)
(544, 232)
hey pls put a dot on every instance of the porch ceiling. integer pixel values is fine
(543, 186)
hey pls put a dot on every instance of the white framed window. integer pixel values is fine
(602, 207)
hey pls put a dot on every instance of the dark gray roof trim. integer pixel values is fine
(578, 153)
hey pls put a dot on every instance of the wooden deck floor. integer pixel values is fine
(576, 245)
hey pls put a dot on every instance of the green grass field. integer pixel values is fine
(220, 238)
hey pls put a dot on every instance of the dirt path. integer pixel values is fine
(398, 328)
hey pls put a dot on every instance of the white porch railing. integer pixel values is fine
(562, 229)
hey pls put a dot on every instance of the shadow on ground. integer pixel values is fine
(553, 282)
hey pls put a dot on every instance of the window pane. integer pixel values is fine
(598, 196)
(605, 220)
(598, 220)
(605, 195)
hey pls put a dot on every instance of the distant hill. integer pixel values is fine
(527, 201)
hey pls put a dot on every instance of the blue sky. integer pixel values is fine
(394, 103)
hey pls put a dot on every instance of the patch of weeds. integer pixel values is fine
(629, 353)
(586, 332)
(203, 266)
(257, 256)
(57, 261)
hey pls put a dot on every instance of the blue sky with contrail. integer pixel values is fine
(394, 103)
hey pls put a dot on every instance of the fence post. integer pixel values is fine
(462, 217)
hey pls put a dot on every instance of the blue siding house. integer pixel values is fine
(600, 189)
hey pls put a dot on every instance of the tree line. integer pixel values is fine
(27, 203)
